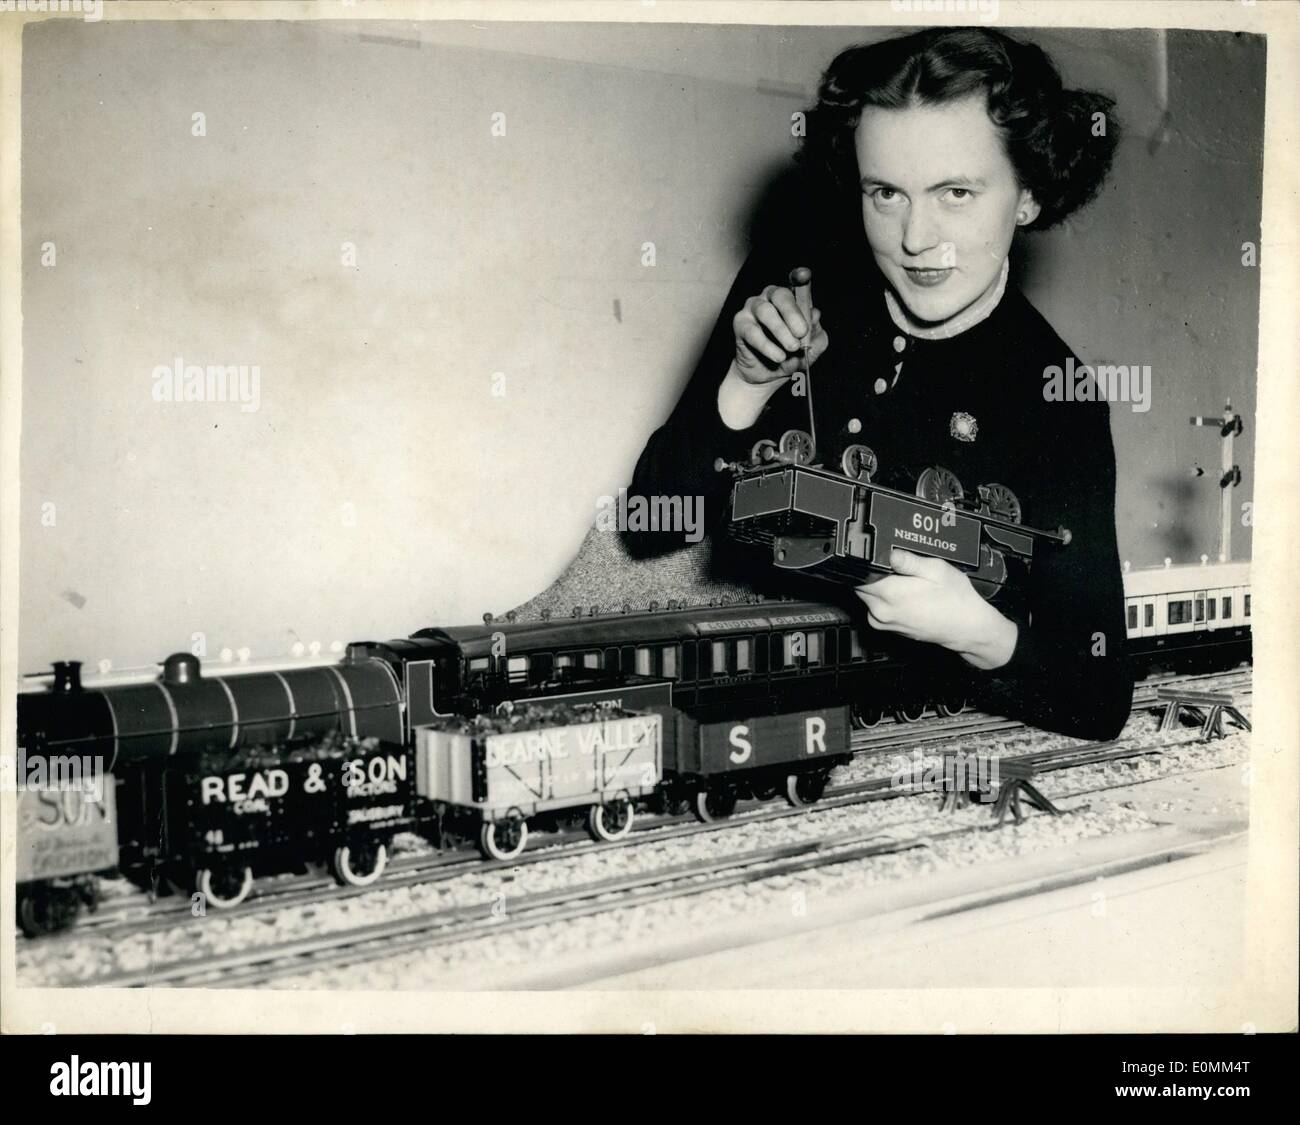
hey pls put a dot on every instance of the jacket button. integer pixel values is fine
(855, 426)
(881, 386)
(900, 343)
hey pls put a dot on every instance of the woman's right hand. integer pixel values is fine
(769, 336)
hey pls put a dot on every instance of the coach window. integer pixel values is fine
(1210, 606)
(542, 662)
(564, 660)
(611, 659)
(831, 647)
(591, 660)
(1247, 605)
(644, 659)
(478, 664)
(744, 657)
(1200, 607)
(517, 669)
(719, 658)
(668, 661)
(1180, 613)
(1132, 617)
(761, 651)
(813, 646)
(1148, 615)
(1227, 608)
(855, 643)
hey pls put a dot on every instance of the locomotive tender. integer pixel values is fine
(208, 780)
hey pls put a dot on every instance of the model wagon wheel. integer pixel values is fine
(359, 865)
(224, 887)
(764, 451)
(713, 804)
(805, 788)
(865, 715)
(29, 915)
(503, 839)
(953, 705)
(611, 821)
(909, 711)
(47, 910)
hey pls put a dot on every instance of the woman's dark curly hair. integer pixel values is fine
(1048, 131)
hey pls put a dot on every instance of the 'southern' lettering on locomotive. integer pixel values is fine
(814, 731)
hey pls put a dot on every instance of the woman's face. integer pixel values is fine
(940, 202)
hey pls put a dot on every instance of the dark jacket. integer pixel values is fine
(1069, 672)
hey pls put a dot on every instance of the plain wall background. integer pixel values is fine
(382, 486)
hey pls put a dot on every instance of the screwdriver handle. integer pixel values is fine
(801, 283)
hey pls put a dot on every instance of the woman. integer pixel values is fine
(923, 157)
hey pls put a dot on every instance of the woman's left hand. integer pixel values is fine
(927, 599)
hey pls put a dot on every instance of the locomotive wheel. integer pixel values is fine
(866, 715)
(224, 887)
(1002, 502)
(910, 711)
(359, 865)
(611, 821)
(798, 446)
(804, 788)
(503, 839)
(954, 705)
(939, 485)
(711, 804)
(859, 462)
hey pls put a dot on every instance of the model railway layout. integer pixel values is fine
(483, 733)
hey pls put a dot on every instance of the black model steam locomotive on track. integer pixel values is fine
(476, 732)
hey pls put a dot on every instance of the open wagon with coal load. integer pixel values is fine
(490, 776)
(228, 817)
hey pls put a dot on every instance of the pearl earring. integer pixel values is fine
(1022, 217)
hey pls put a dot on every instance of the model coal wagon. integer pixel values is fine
(493, 774)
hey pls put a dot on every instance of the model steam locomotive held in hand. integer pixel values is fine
(842, 527)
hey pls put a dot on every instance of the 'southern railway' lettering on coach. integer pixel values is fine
(778, 621)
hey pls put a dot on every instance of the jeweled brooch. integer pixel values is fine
(963, 426)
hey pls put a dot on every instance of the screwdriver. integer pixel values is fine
(801, 283)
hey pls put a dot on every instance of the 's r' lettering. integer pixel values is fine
(815, 735)
(739, 740)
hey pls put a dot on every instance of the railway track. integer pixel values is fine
(429, 929)
(128, 917)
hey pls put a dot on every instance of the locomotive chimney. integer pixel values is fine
(180, 668)
(67, 676)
